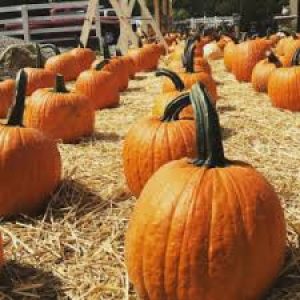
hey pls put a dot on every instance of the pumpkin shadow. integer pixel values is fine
(227, 133)
(288, 282)
(140, 77)
(18, 279)
(133, 90)
(104, 136)
(226, 108)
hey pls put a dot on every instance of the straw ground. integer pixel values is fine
(75, 249)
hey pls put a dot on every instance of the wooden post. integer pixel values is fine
(294, 6)
(164, 27)
(24, 12)
(98, 26)
(157, 13)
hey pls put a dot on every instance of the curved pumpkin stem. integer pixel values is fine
(208, 130)
(176, 80)
(190, 59)
(119, 52)
(16, 112)
(174, 108)
(60, 86)
(273, 59)
(106, 52)
(101, 64)
(296, 58)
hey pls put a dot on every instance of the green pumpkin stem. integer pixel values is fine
(190, 59)
(208, 130)
(16, 112)
(101, 64)
(273, 59)
(176, 80)
(39, 61)
(60, 86)
(174, 108)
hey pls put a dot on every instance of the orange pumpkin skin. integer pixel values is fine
(84, 57)
(190, 79)
(100, 87)
(61, 116)
(30, 164)
(262, 71)
(151, 143)
(39, 78)
(289, 51)
(229, 53)
(7, 92)
(283, 88)
(247, 55)
(64, 64)
(206, 229)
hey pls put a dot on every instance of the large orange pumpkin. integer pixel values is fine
(283, 86)
(154, 141)
(247, 55)
(101, 87)
(38, 77)
(229, 54)
(30, 165)
(84, 57)
(263, 70)
(7, 92)
(59, 113)
(207, 228)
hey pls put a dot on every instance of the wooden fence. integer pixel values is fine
(29, 23)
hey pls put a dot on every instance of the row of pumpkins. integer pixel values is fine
(204, 227)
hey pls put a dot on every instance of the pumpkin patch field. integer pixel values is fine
(111, 213)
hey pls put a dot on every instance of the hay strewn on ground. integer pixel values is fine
(75, 250)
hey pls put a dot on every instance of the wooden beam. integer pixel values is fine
(157, 12)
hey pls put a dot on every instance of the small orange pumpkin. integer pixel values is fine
(100, 86)
(30, 164)
(7, 93)
(84, 57)
(59, 113)
(263, 70)
(154, 141)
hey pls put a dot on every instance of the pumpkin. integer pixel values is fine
(191, 77)
(206, 228)
(7, 92)
(30, 164)
(154, 141)
(64, 64)
(161, 101)
(84, 57)
(263, 70)
(247, 55)
(59, 113)
(128, 61)
(283, 86)
(101, 87)
(284, 43)
(38, 77)
(289, 52)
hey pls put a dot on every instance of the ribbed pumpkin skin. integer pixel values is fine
(150, 144)
(61, 116)
(38, 79)
(190, 79)
(64, 64)
(30, 170)
(247, 55)
(283, 88)
(100, 87)
(7, 92)
(205, 234)
(289, 51)
(261, 74)
(84, 57)
(229, 53)
(161, 101)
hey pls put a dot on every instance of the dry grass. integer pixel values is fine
(75, 250)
